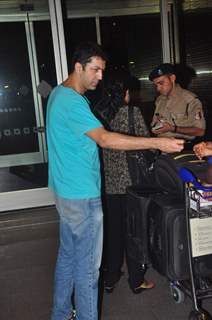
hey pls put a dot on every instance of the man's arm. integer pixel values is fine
(112, 140)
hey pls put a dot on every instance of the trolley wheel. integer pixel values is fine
(177, 294)
(200, 315)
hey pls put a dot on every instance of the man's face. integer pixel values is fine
(164, 84)
(91, 73)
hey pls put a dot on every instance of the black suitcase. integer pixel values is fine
(168, 241)
(138, 200)
(167, 237)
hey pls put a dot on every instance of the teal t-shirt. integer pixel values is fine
(74, 168)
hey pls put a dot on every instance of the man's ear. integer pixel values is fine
(78, 67)
(173, 78)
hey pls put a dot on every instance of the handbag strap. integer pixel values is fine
(131, 120)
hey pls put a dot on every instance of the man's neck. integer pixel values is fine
(172, 92)
(71, 82)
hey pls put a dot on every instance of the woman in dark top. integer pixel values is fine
(115, 113)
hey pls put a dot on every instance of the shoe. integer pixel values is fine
(73, 316)
(111, 283)
(143, 286)
(109, 289)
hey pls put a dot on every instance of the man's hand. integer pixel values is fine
(203, 149)
(167, 127)
(170, 144)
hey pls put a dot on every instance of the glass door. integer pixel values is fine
(27, 77)
(21, 142)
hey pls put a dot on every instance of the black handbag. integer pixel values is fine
(140, 162)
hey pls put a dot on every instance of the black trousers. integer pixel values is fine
(115, 243)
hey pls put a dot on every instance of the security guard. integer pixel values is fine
(178, 112)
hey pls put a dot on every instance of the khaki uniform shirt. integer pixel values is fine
(182, 109)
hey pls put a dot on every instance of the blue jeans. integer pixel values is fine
(79, 258)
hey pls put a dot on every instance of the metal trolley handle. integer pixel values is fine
(188, 178)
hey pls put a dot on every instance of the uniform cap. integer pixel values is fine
(161, 70)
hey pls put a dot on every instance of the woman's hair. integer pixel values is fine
(114, 88)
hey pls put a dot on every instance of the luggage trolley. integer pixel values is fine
(198, 201)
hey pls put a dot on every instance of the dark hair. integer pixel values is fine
(84, 52)
(184, 74)
(115, 85)
(118, 82)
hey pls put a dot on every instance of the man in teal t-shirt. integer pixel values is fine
(74, 178)
(74, 169)
(73, 133)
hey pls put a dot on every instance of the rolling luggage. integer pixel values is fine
(180, 244)
(168, 247)
(168, 240)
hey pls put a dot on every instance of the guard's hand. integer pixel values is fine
(167, 127)
(171, 144)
